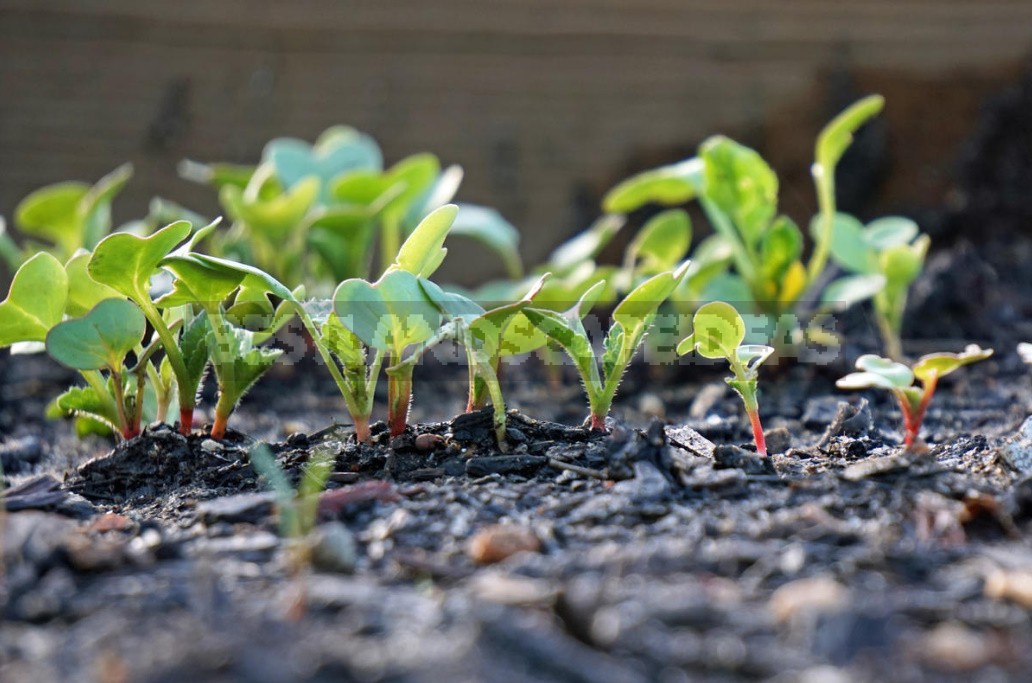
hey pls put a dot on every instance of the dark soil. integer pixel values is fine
(665, 551)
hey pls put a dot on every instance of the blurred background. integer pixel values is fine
(545, 104)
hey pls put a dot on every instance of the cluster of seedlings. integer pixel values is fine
(144, 310)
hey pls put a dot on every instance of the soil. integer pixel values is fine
(665, 550)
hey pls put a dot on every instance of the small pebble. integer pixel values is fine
(651, 405)
(500, 541)
(816, 594)
(428, 442)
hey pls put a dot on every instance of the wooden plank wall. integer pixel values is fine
(542, 101)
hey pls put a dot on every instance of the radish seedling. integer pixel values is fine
(63, 218)
(886, 256)
(756, 255)
(632, 318)
(482, 334)
(126, 263)
(718, 332)
(883, 373)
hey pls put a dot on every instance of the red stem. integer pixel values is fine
(362, 432)
(598, 423)
(913, 418)
(218, 429)
(185, 421)
(757, 430)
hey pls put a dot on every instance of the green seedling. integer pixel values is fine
(63, 218)
(316, 212)
(298, 510)
(101, 340)
(755, 256)
(42, 294)
(885, 257)
(234, 352)
(482, 333)
(883, 373)
(126, 263)
(393, 316)
(632, 318)
(719, 332)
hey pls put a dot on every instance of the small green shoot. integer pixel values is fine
(718, 332)
(632, 319)
(63, 218)
(884, 257)
(126, 263)
(101, 340)
(882, 373)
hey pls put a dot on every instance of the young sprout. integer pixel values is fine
(65, 217)
(884, 258)
(101, 340)
(718, 332)
(482, 333)
(126, 263)
(393, 316)
(883, 373)
(632, 319)
(755, 256)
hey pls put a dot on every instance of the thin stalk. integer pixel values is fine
(824, 180)
(163, 393)
(399, 395)
(95, 380)
(226, 374)
(187, 395)
(390, 243)
(119, 390)
(746, 388)
(141, 383)
(359, 410)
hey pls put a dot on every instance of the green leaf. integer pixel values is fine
(889, 232)
(727, 287)
(567, 333)
(83, 291)
(342, 343)
(243, 362)
(667, 185)
(423, 251)
(254, 279)
(36, 301)
(902, 265)
(846, 291)
(196, 282)
(584, 246)
(216, 175)
(338, 150)
(877, 372)
(641, 303)
(126, 262)
(95, 207)
(487, 226)
(10, 252)
(100, 339)
(780, 247)
(739, 183)
(273, 218)
(342, 237)
(836, 137)
(52, 213)
(662, 242)
(717, 332)
(388, 315)
(849, 246)
(84, 402)
(935, 365)
(193, 344)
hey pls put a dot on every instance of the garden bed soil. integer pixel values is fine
(665, 550)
